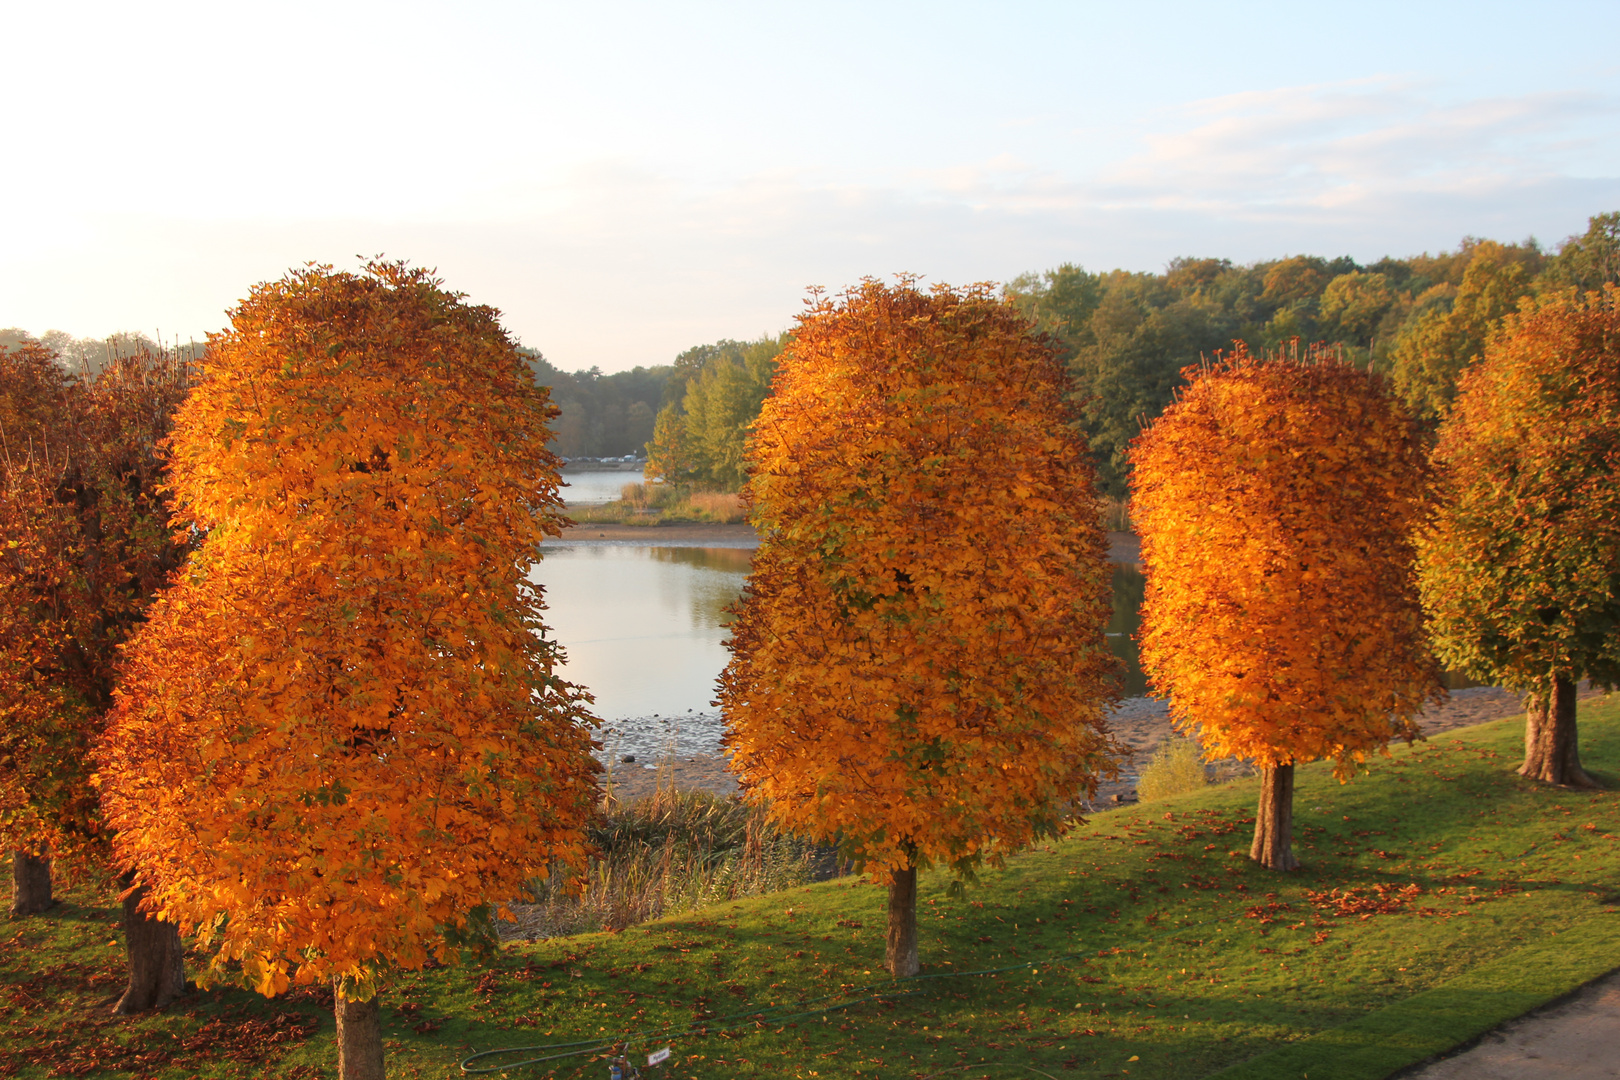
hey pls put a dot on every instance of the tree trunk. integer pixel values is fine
(1273, 845)
(157, 965)
(31, 884)
(901, 958)
(1551, 750)
(359, 1037)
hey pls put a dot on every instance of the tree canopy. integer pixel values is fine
(918, 669)
(716, 391)
(1521, 560)
(1274, 499)
(86, 545)
(340, 739)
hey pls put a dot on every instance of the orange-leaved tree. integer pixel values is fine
(918, 670)
(1274, 500)
(340, 741)
(1520, 562)
(87, 544)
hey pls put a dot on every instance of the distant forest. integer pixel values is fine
(1125, 337)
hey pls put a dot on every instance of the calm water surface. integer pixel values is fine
(644, 630)
(596, 487)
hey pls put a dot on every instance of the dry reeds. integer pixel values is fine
(670, 852)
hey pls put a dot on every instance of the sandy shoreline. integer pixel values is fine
(1141, 724)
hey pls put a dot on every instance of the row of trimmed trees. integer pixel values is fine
(1292, 522)
(339, 738)
(918, 668)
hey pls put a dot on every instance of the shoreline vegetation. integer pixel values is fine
(643, 504)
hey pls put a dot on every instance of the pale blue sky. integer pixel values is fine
(626, 180)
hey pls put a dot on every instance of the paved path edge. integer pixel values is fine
(1413, 1032)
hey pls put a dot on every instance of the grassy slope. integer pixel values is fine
(1184, 959)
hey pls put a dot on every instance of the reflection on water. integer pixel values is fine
(1129, 585)
(641, 625)
(596, 486)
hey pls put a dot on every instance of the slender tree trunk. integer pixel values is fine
(1551, 749)
(31, 884)
(901, 958)
(1273, 845)
(157, 965)
(359, 1037)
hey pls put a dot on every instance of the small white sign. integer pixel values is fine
(658, 1057)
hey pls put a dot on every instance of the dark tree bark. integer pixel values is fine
(359, 1038)
(1551, 749)
(1273, 845)
(901, 957)
(30, 884)
(157, 965)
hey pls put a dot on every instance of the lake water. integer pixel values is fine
(644, 630)
(596, 486)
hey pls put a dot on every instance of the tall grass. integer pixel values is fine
(671, 852)
(657, 504)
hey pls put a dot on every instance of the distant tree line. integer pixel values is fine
(1421, 320)
(602, 415)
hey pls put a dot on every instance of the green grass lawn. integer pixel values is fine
(1441, 894)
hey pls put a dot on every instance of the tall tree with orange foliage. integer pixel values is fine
(1274, 501)
(918, 667)
(1521, 560)
(340, 741)
(87, 544)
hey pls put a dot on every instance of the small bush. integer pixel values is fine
(1176, 769)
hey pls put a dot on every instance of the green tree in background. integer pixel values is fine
(1441, 343)
(699, 437)
(1591, 261)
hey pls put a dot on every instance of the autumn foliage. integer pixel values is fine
(918, 670)
(85, 543)
(339, 739)
(1521, 560)
(1274, 501)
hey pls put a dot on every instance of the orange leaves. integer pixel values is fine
(918, 667)
(1274, 501)
(339, 736)
(86, 542)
